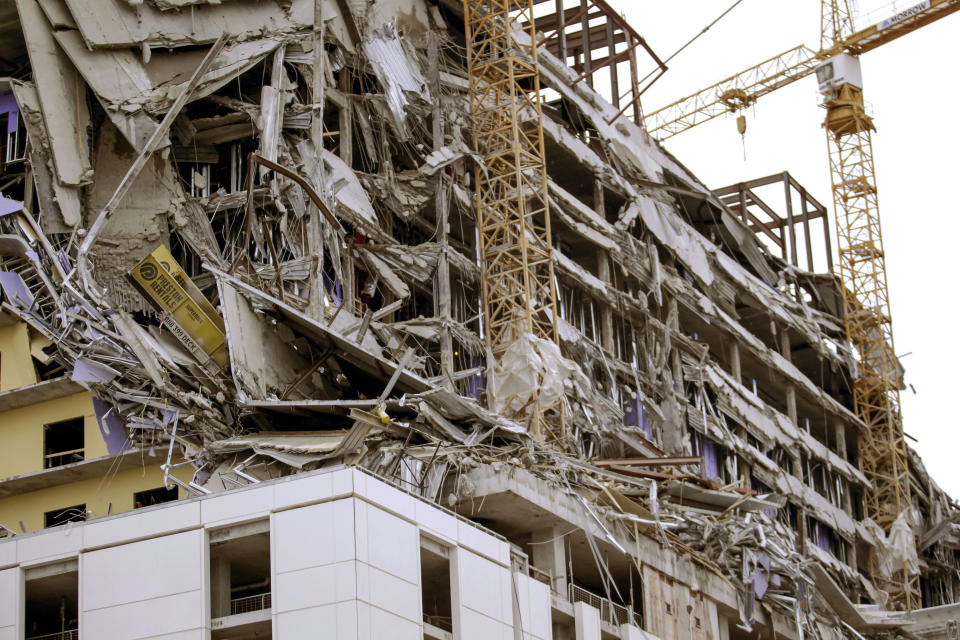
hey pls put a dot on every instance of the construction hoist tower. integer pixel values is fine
(866, 300)
(512, 208)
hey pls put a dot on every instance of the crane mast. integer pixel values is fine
(866, 299)
(862, 261)
(512, 207)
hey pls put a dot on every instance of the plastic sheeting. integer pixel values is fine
(531, 364)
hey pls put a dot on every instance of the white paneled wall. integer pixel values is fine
(531, 608)
(145, 589)
(388, 574)
(587, 621)
(345, 565)
(315, 576)
(484, 598)
(10, 604)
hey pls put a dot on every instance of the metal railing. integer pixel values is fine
(611, 612)
(250, 603)
(69, 634)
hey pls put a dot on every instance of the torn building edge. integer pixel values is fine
(314, 196)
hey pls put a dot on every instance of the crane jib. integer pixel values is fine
(906, 14)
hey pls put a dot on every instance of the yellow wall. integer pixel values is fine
(115, 492)
(21, 432)
(21, 447)
(16, 364)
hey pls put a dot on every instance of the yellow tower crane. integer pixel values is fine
(512, 207)
(862, 262)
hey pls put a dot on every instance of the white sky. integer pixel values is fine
(913, 86)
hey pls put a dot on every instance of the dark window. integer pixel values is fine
(154, 496)
(50, 601)
(76, 513)
(435, 585)
(62, 443)
(240, 574)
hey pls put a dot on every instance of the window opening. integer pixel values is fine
(62, 443)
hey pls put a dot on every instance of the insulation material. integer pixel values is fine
(530, 364)
(401, 78)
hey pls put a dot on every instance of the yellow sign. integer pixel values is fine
(188, 314)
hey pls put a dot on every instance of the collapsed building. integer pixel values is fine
(249, 230)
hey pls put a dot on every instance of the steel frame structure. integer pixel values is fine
(780, 230)
(587, 36)
(512, 207)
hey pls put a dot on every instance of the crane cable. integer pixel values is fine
(693, 39)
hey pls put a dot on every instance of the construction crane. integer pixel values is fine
(862, 263)
(512, 207)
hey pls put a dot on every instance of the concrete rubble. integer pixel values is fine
(301, 170)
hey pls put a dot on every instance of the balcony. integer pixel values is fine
(250, 603)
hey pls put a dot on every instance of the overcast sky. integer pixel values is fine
(913, 87)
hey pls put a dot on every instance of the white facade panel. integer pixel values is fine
(8, 552)
(532, 608)
(58, 542)
(484, 586)
(330, 622)
(347, 567)
(314, 587)
(375, 624)
(196, 634)
(303, 491)
(142, 524)
(388, 497)
(10, 585)
(230, 505)
(476, 626)
(438, 523)
(143, 570)
(387, 592)
(481, 542)
(630, 632)
(586, 621)
(314, 536)
(146, 618)
(387, 542)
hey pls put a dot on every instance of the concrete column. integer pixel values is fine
(847, 497)
(840, 432)
(797, 467)
(785, 351)
(606, 313)
(724, 626)
(219, 587)
(792, 404)
(735, 361)
(550, 555)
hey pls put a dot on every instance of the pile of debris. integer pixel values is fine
(258, 251)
